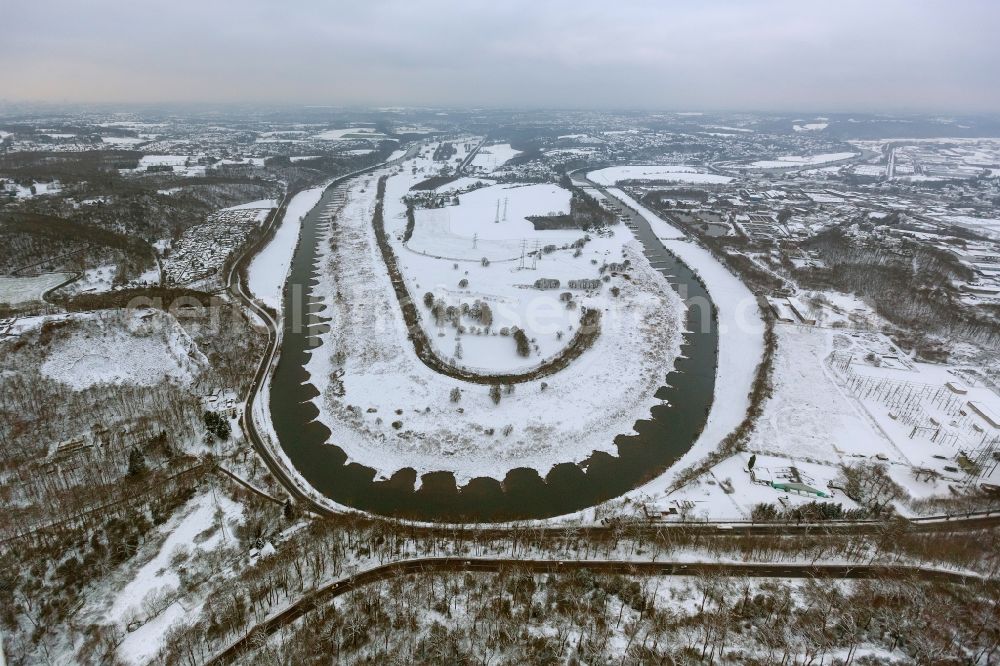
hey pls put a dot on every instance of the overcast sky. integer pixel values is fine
(656, 54)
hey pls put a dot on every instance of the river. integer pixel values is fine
(657, 443)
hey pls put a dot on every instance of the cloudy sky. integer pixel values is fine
(665, 54)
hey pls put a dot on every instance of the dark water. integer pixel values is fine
(659, 441)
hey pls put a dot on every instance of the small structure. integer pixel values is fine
(985, 412)
(957, 387)
(782, 312)
(801, 312)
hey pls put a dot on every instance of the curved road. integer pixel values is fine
(325, 594)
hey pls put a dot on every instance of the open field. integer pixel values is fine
(29, 289)
(675, 174)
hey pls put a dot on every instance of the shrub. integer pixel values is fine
(523, 347)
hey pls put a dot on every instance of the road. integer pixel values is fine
(325, 594)
(468, 158)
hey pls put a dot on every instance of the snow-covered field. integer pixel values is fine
(93, 280)
(490, 158)
(269, 269)
(447, 249)
(184, 165)
(810, 127)
(921, 421)
(29, 289)
(165, 160)
(792, 161)
(444, 237)
(124, 140)
(810, 417)
(100, 279)
(824, 414)
(673, 173)
(260, 204)
(350, 133)
(461, 184)
(984, 225)
(449, 231)
(563, 418)
(149, 347)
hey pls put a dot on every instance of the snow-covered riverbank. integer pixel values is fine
(741, 338)
(269, 269)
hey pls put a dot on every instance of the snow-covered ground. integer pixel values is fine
(25, 191)
(925, 416)
(729, 492)
(467, 233)
(791, 161)
(269, 269)
(149, 347)
(809, 417)
(396, 154)
(28, 289)
(260, 204)
(490, 158)
(351, 133)
(203, 525)
(563, 418)
(988, 226)
(672, 173)
(165, 160)
(100, 279)
(182, 165)
(93, 280)
(810, 127)
(461, 184)
(825, 413)
(124, 140)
